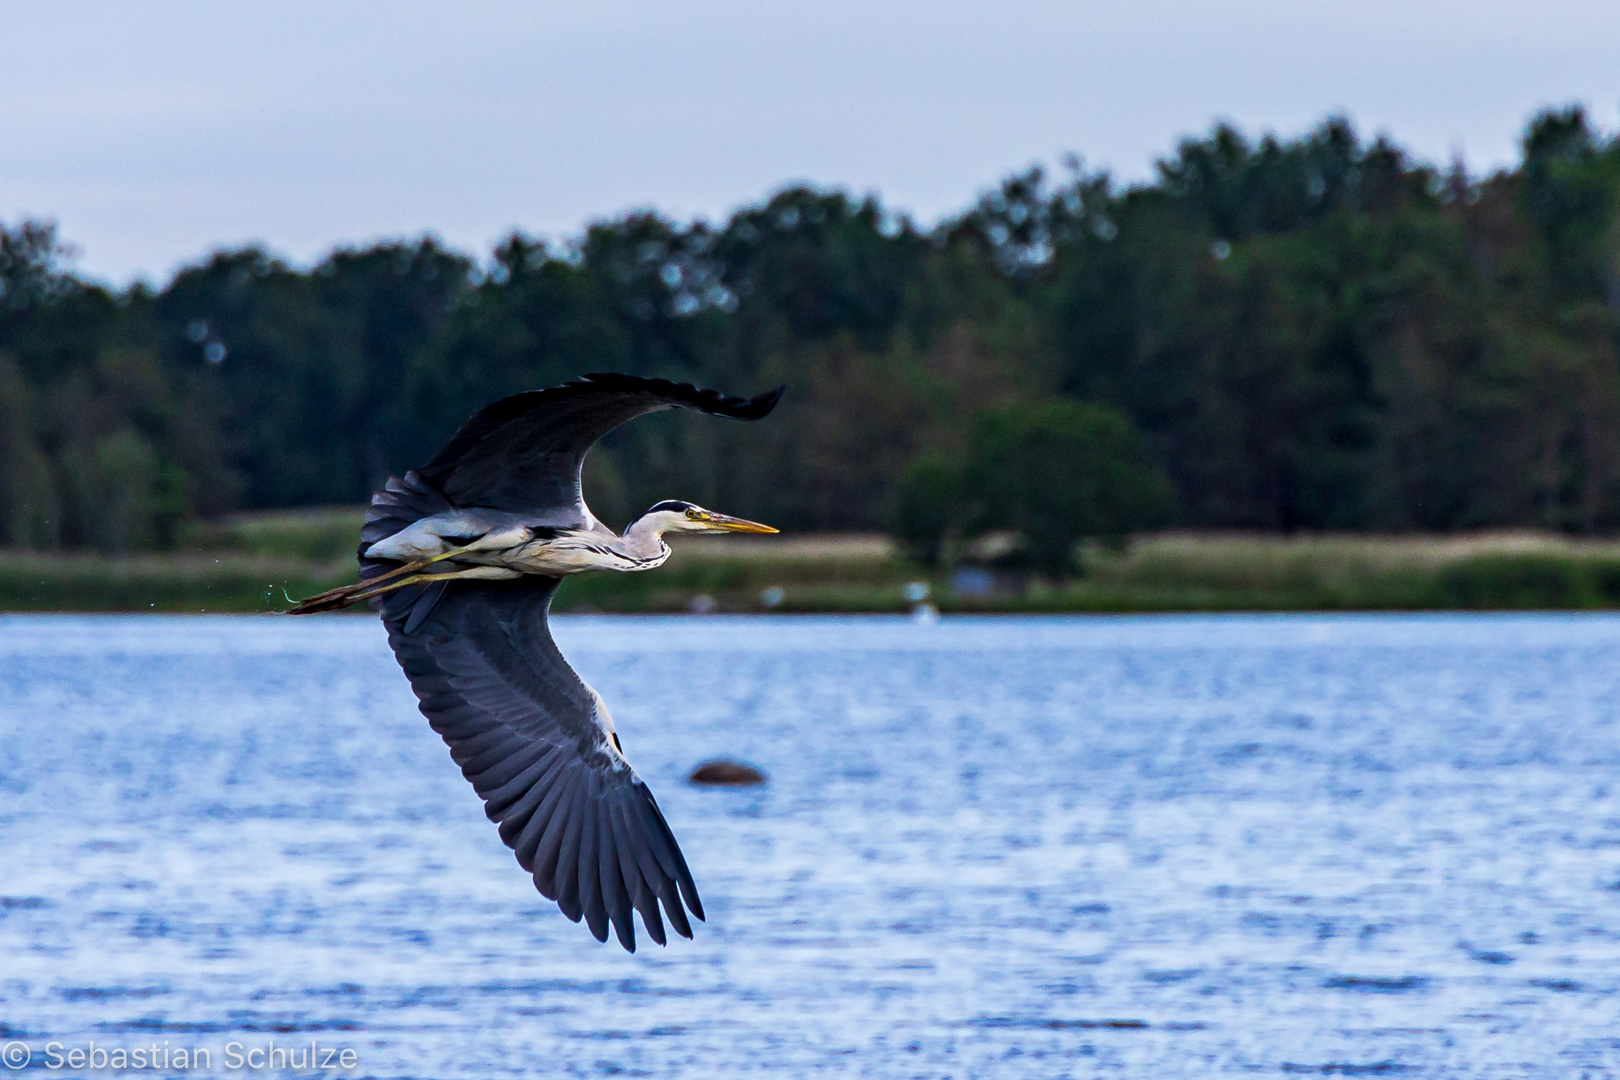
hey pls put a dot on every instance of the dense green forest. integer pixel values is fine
(1310, 334)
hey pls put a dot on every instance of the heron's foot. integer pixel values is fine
(330, 600)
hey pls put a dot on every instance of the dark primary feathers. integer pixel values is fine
(524, 452)
(521, 725)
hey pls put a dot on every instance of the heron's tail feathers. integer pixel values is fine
(401, 502)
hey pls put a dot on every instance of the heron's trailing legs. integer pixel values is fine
(344, 595)
(417, 579)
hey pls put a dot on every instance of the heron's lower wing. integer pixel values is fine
(523, 727)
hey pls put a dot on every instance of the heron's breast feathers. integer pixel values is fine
(577, 551)
(467, 540)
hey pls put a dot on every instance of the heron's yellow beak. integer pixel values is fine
(725, 523)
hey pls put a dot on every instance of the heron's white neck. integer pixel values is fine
(645, 536)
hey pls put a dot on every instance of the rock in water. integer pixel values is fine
(726, 774)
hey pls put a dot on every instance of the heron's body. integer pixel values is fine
(507, 542)
(462, 557)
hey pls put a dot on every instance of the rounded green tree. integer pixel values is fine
(1059, 472)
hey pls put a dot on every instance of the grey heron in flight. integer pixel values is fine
(462, 557)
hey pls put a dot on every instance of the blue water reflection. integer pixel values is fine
(1166, 846)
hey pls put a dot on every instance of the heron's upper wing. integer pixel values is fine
(523, 453)
(524, 729)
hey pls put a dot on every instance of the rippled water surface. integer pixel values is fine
(1144, 847)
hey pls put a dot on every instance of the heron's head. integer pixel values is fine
(673, 515)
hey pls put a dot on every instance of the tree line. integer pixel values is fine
(1316, 333)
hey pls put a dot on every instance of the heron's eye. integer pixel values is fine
(694, 515)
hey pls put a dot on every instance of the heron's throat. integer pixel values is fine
(645, 537)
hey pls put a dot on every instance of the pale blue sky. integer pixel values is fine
(154, 131)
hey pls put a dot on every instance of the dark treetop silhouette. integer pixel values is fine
(1317, 332)
(462, 557)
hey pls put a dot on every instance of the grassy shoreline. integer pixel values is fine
(258, 563)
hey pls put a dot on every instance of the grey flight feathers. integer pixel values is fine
(525, 729)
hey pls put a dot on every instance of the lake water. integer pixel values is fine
(1140, 847)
